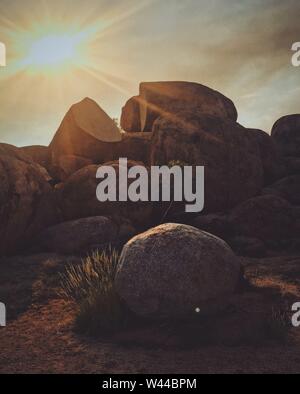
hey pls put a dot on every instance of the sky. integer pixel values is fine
(241, 48)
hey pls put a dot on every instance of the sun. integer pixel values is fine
(54, 50)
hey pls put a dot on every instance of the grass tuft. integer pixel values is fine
(91, 286)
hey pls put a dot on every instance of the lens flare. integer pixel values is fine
(54, 50)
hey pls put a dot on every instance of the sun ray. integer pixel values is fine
(115, 23)
(97, 75)
(56, 56)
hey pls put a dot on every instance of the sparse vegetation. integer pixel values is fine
(91, 285)
(180, 163)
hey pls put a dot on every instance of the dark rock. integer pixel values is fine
(267, 218)
(233, 166)
(67, 165)
(216, 224)
(286, 133)
(286, 188)
(245, 246)
(27, 201)
(168, 98)
(134, 146)
(78, 195)
(84, 235)
(292, 165)
(272, 161)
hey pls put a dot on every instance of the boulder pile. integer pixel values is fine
(251, 177)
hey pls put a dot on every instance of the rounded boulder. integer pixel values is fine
(174, 270)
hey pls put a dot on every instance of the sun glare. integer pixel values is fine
(55, 51)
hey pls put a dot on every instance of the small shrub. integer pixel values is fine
(180, 163)
(91, 285)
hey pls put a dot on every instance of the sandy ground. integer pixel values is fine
(40, 339)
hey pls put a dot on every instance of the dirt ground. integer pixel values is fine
(39, 337)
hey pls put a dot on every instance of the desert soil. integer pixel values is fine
(39, 337)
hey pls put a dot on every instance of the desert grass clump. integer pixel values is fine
(91, 285)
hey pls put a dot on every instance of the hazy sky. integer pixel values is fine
(240, 47)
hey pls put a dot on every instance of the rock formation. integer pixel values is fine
(168, 98)
(86, 131)
(231, 157)
(286, 133)
(27, 201)
(82, 236)
(173, 269)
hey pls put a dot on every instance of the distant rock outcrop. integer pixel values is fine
(27, 202)
(286, 133)
(231, 157)
(87, 135)
(168, 98)
(86, 131)
(174, 270)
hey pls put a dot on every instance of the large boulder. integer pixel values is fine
(78, 195)
(173, 269)
(286, 133)
(130, 117)
(267, 217)
(27, 201)
(39, 154)
(272, 161)
(88, 136)
(231, 157)
(84, 235)
(67, 165)
(168, 98)
(134, 146)
(292, 165)
(216, 224)
(86, 131)
(287, 188)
